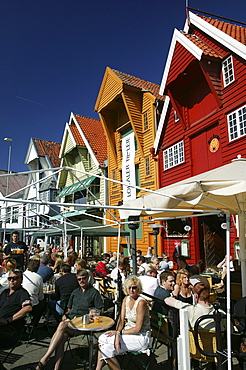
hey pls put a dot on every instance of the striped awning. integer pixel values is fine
(83, 184)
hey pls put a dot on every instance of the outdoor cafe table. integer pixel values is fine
(104, 324)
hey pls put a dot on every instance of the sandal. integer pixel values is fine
(40, 366)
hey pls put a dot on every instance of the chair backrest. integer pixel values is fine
(64, 300)
(160, 328)
(236, 291)
(207, 341)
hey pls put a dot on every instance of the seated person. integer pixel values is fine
(44, 270)
(81, 264)
(149, 280)
(182, 289)
(15, 303)
(141, 264)
(164, 290)
(132, 337)
(33, 283)
(9, 264)
(81, 301)
(101, 269)
(119, 273)
(64, 285)
(201, 307)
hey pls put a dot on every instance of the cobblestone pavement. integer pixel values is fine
(27, 356)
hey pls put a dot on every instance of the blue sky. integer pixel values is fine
(54, 54)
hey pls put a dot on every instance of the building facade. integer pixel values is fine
(129, 109)
(203, 125)
(84, 149)
(41, 157)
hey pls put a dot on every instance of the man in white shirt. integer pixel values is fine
(33, 283)
(149, 280)
(141, 265)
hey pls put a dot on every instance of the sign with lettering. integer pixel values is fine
(128, 167)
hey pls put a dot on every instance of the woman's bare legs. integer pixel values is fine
(58, 340)
(112, 362)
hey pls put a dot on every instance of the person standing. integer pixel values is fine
(17, 250)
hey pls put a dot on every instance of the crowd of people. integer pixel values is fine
(25, 274)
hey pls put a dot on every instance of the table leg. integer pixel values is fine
(90, 350)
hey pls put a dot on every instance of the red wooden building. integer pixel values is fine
(203, 124)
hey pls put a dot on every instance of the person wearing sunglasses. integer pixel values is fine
(135, 335)
(15, 303)
(83, 300)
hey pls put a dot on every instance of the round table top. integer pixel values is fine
(105, 323)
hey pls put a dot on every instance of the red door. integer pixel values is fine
(206, 150)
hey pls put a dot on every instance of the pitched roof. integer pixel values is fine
(136, 82)
(76, 134)
(93, 131)
(15, 183)
(206, 49)
(49, 148)
(236, 32)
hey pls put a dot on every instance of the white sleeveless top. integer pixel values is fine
(131, 316)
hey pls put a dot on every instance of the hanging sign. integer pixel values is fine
(128, 167)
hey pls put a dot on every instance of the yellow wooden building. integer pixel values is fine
(129, 109)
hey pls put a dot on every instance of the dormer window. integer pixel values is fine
(228, 71)
(176, 117)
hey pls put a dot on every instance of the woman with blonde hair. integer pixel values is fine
(182, 289)
(133, 336)
(8, 265)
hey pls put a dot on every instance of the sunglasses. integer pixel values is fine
(84, 278)
(13, 278)
(133, 287)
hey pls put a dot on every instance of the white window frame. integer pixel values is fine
(228, 71)
(15, 214)
(237, 123)
(147, 166)
(174, 155)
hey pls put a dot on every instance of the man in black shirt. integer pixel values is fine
(64, 285)
(164, 290)
(15, 303)
(17, 250)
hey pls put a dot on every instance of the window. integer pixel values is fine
(44, 196)
(174, 155)
(237, 123)
(89, 160)
(15, 212)
(146, 123)
(147, 166)
(227, 70)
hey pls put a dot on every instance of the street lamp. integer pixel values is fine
(155, 231)
(9, 140)
(134, 225)
(10, 147)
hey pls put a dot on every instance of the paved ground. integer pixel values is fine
(28, 355)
